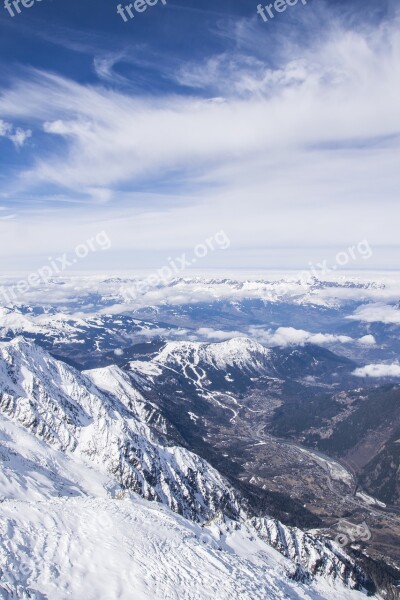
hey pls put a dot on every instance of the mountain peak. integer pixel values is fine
(236, 352)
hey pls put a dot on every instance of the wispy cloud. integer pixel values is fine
(104, 67)
(119, 138)
(313, 140)
(16, 135)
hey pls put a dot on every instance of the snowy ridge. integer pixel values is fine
(55, 506)
(14, 320)
(199, 361)
(65, 409)
(91, 334)
(239, 352)
(315, 555)
(115, 382)
(97, 548)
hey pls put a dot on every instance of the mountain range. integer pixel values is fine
(227, 429)
(76, 446)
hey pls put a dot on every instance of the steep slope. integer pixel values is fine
(64, 408)
(53, 505)
(98, 548)
(314, 555)
(116, 383)
(380, 477)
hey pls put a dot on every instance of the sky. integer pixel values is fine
(195, 118)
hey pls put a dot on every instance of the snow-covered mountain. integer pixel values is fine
(313, 555)
(234, 364)
(116, 383)
(91, 548)
(90, 322)
(241, 353)
(77, 448)
(207, 365)
(64, 408)
(88, 340)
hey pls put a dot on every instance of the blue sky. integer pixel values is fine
(193, 118)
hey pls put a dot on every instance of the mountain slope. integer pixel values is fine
(53, 505)
(241, 353)
(221, 399)
(66, 445)
(65, 409)
(236, 364)
(97, 548)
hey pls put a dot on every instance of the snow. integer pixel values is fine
(238, 351)
(370, 500)
(108, 431)
(63, 325)
(74, 449)
(89, 548)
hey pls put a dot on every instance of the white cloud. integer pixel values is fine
(104, 67)
(378, 370)
(226, 286)
(283, 336)
(101, 124)
(367, 340)
(5, 128)
(165, 333)
(377, 312)
(217, 334)
(4, 217)
(16, 135)
(287, 336)
(258, 159)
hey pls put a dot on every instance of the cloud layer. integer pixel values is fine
(298, 153)
(284, 336)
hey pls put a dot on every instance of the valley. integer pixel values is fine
(286, 431)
